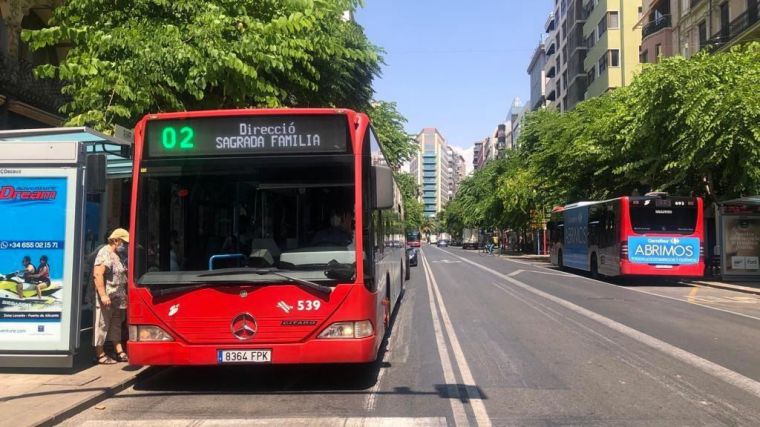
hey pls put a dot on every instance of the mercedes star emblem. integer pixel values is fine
(243, 326)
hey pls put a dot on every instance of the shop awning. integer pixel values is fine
(118, 151)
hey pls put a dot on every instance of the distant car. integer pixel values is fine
(412, 253)
(456, 242)
(442, 243)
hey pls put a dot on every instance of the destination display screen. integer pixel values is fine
(246, 136)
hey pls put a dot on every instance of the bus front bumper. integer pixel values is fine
(363, 350)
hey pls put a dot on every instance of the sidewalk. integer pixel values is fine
(30, 399)
(746, 287)
(532, 258)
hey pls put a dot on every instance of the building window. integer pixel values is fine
(702, 30)
(591, 75)
(657, 52)
(613, 20)
(724, 22)
(643, 56)
(602, 64)
(601, 28)
(614, 58)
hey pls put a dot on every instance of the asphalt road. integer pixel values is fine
(481, 340)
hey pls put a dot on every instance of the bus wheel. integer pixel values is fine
(594, 267)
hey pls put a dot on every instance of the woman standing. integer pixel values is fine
(110, 276)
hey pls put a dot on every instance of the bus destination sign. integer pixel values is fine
(246, 135)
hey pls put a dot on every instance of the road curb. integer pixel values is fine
(735, 288)
(94, 399)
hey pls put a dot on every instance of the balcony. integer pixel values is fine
(17, 81)
(656, 25)
(552, 72)
(738, 26)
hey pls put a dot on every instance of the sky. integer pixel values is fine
(455, 65)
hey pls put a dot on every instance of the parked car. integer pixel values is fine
(442, 243)
(412, 253)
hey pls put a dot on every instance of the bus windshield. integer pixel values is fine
(285, 213)
(664, 216)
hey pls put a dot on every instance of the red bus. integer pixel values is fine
(652, 235)
(262, 236)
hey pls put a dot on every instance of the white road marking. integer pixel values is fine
(476, 401)
(734, 378)
(287, 422)
(599, 282)
(457, 408)
(370, 402)
(641, 291)
(398, 349)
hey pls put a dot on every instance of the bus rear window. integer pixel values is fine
(663, 218)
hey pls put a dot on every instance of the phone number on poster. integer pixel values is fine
(26, 244)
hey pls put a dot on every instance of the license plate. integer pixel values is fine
(663, 267)
(244, 356)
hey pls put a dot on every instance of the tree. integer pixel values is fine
(696, 124)
(412, 206)
(131, 57)
(398, 146)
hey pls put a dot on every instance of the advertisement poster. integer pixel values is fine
(32, 254)
(741, 245)
(575, 247)
(663, 250)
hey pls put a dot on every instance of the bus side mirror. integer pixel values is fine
(95, 175)
(382, 182)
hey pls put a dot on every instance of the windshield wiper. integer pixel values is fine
(264, 271)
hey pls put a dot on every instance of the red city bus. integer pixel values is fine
(652, 235)
(262, 236)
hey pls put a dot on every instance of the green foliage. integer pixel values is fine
(398, 146)
(412, 206)
(683, 126)
(131, 57)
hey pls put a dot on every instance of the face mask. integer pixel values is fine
(122, 250)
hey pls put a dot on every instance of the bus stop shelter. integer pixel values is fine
(61, 191)
(738, 238)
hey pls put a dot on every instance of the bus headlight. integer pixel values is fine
(361, 329)
(147, 333)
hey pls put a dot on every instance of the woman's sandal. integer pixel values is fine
(103, 359)
(122, 357)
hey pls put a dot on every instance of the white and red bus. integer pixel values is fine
(262, 236)
(652, 235)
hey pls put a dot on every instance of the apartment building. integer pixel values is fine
(432, 169)
(591, 46)
(612, 40)
(538, 80)
(457, 170)
(672, 27)
(565, 54)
